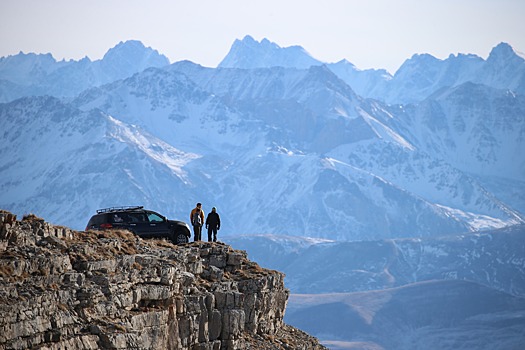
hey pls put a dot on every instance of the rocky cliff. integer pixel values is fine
(64, 289)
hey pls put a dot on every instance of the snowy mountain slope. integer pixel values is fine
(128, 58)
(368, 141)
(303, 195)
(308, 109)
(423, 74)
(262, 92)
(508, 191)
(495, 259)
(59, 161)
(458, 193)
(239, 188)
(492, 124)
(10, 91)
(271, 83)
(313, 111)
(429, 315)
(465, 144)
(33, 74)
(174, 108)
(364, 82)
(477, 129)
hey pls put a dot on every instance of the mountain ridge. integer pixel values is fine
(504, 69)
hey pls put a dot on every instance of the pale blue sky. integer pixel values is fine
(368, 33)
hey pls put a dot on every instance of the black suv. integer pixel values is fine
(144, 223)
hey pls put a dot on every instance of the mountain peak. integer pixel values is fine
(248, 53)
(247, 39)
(346, 63)
(423, 58)
(125, 47)
(129, 57)
(504, 52)
(133, 49)
(418, 63)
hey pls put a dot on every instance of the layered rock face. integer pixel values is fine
(63, 289)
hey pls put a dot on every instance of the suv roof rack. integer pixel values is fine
(112, 209)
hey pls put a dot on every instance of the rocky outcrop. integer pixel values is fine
(64, 289)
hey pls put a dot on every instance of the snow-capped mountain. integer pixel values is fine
(285, 122)
(278, 150)
(31, 74)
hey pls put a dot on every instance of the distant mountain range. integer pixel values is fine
(417, 78)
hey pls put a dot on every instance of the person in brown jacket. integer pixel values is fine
(197, 220)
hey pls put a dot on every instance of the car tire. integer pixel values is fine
(180, 238)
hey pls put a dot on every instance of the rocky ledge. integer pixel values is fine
(65, 289)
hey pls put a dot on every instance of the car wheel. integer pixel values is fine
(180, 238)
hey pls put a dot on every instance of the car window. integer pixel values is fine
(137, 217)
(154, 217)
(116, 218)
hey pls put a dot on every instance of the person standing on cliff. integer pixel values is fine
(213, 224)
(197, 219)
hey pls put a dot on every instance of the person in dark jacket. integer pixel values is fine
(213, 224)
